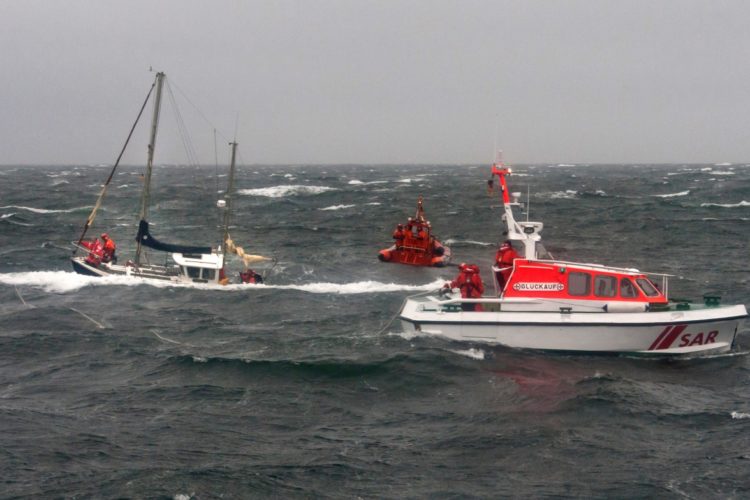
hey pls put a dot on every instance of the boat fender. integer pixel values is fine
(384, 255)
(437, 261)
(625, 307)
(439, 250)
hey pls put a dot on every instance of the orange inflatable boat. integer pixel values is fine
(414, 243)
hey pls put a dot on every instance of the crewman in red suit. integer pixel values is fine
(96, 251)
(108, 254)
(504, 260)
(398, 236)
(470, 284)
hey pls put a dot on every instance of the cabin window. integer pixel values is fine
(605, 286)
(579, 283)
(209, 274)
(627, 288)
(194, 272)
(648, 288)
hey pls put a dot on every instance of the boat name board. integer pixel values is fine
(538, 287)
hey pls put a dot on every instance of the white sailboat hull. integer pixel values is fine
(143, 272)
(692, 331)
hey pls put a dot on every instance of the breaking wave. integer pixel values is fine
(673, 195)
(282, 191)
(45, 210)
(65, 281)
(451, 241)
(337, 207)
(743, 203)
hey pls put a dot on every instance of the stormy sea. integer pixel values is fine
(306, 387)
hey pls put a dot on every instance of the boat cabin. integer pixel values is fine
(580, 282)
(199, 268)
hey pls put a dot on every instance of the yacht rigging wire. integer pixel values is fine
(92, 216)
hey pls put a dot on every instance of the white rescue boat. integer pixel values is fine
(548, 304)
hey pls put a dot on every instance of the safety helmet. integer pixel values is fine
(105, 236)
(462, 266)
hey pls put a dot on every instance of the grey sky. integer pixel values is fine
(425, 81)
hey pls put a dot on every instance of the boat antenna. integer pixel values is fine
(92, 216)
(528, 201)
(150, 161)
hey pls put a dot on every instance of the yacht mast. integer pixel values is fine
(228, 200)
(150, 161)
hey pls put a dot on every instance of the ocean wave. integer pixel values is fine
(337, 207)
(285, 190)
(45, 210)
(739, 415)
(471, 353)
(743, 203)
(66, 281)
(357, 182)
(722, 172)
(556, 195)
(451, 241)
(673, 195)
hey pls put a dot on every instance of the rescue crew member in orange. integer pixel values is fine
(96, 250)
(109, 249)
(504, 260)
(398, 235)
(470, 284)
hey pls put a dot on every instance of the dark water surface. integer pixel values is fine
(302, 388)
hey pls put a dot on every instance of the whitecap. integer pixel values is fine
(354, 182)
(722, 172)
(451, 241)
(743, 203)
(739, 415)
(672, 195)
(43, 210)
(405, 181)
(471, 353)
(337, 207)
(357, 287)
(568, 194)
(282, 191)
(65, 281)
(375, 203)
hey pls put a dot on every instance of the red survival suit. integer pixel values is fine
(504, 260)
(96, 252)
(470, 284)
(108, 253)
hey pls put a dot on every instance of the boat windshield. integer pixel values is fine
(648, 288)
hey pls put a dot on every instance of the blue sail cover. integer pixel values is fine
(145, 238)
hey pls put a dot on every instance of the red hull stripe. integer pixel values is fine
(667, 342)
(658, 339)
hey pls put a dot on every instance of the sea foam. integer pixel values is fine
(285, 190)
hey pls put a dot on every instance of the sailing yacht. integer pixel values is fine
(191, 264)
